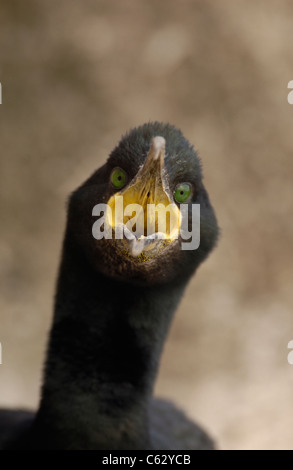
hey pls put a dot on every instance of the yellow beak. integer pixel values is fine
(156, 215)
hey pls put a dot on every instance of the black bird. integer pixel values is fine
(115, 301)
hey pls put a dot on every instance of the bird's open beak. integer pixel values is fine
(145, 209)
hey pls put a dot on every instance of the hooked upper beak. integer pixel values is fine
(157, 216)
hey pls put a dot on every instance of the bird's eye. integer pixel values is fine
(118, 178)
(182, 192)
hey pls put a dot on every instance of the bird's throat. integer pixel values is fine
(103, 356)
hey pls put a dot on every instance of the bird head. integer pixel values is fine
(137, 196)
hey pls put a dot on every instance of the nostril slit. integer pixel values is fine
(148, 194)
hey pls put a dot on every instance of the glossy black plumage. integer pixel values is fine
(112, 314)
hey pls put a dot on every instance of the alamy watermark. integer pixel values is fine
(157, 222)
(290, 95)
(290, 355)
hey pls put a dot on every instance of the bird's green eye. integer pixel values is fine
(182, 192)
(118, 178)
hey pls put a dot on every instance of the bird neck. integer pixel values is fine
(103, 356)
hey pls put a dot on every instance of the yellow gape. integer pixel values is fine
(144, 209)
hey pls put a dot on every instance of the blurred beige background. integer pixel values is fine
(75, 76)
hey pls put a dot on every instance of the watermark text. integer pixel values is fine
(154, 222)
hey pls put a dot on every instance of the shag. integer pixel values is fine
(114, 304)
